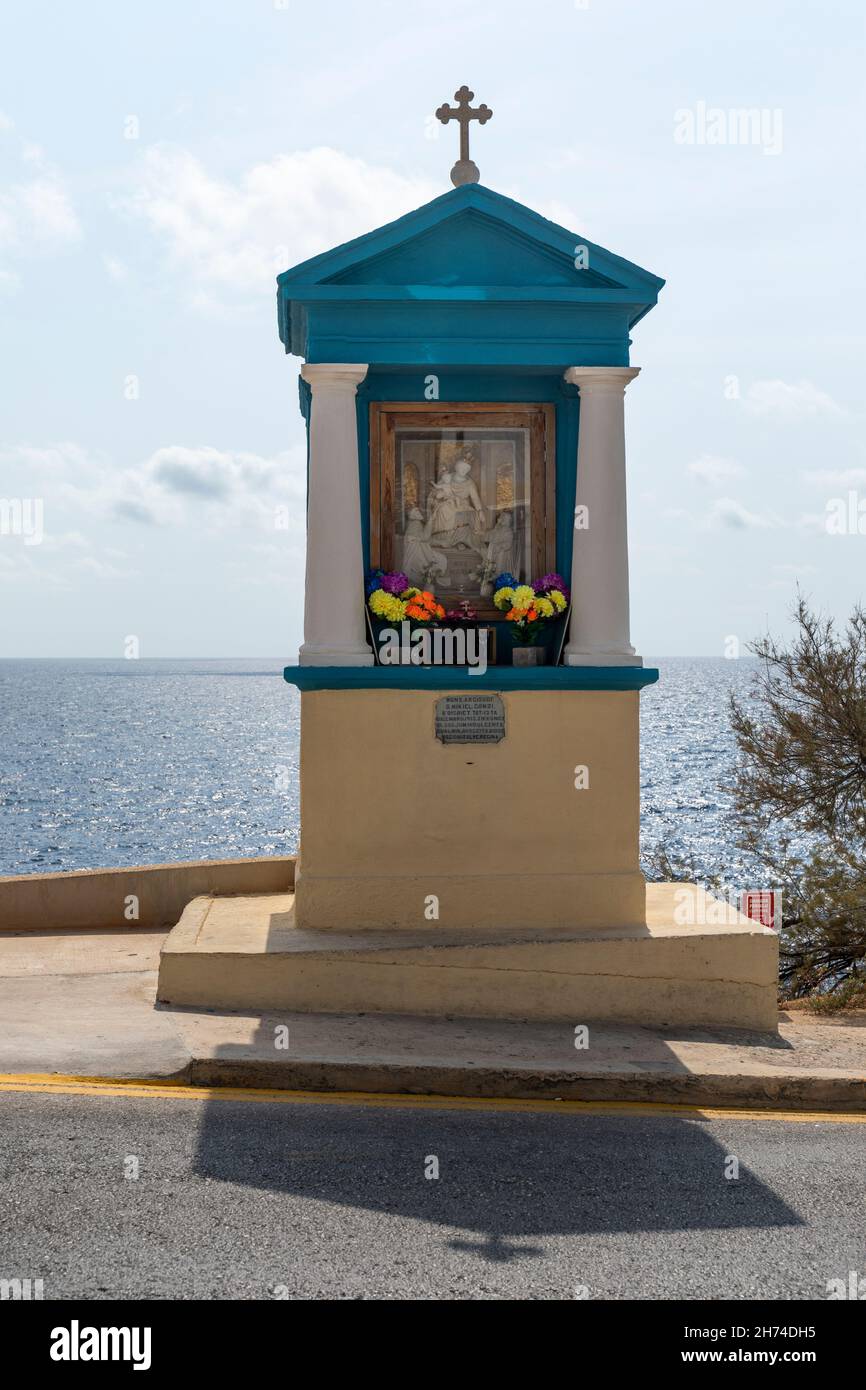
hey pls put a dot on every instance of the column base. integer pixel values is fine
(578, 658)
(332, 656)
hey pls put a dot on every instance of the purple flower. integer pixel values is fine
(551, 581)
(395, 583)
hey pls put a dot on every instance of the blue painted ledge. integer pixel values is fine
(458, 678)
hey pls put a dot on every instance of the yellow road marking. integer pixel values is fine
(45, 1083)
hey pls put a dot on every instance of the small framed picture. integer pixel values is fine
(462, 493)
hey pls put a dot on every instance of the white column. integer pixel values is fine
(599, 630)
(334, 628)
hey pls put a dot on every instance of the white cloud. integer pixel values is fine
(207, 472)
(114, 268)
(726, 511)
(235, 237)
(36, 211)
(27, 567)
(51, 214)
(563, 214)
(175, 485)
(92, 508)
(790, 400)
(102, 569)
(836, 477)
(64, 539)
(37, 214)
(815, 522)
(714, 470)
(54, 457)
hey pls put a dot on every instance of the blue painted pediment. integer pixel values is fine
(471, 277)
(469, 248)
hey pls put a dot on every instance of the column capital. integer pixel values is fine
(334, 376)
(607, 380)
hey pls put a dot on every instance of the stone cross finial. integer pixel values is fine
(465, 170)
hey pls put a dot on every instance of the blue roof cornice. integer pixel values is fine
(451, 273)
(477, 198)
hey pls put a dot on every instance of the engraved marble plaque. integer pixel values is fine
(470, 719)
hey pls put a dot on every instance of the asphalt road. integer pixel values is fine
(259, 1200)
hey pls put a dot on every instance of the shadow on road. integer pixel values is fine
(505, 1178)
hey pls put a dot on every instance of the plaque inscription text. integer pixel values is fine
(470, 719)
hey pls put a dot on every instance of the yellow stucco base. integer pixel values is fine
(476, 880)
(396, 826)
(680, 968)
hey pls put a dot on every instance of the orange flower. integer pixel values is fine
(531, 615)
(439, 611)
(426, 598)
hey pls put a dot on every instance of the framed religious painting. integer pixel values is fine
(460, 494)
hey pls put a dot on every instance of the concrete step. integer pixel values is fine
(245, 952)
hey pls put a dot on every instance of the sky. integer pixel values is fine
(160, 163)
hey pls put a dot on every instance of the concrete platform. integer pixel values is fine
(81, 1004)
(246, 953)
(811, 1064)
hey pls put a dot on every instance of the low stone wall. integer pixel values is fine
(151, 896)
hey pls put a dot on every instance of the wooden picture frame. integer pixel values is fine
(463, 425)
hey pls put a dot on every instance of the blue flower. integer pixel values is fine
(504, 581)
